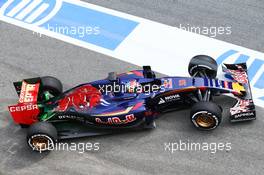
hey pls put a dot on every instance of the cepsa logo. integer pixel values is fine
(23, 108)
(255, 69)
(29, 93)
(35, 12)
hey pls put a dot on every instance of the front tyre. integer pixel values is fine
(42, 137)
(203, 66)
(206, 115)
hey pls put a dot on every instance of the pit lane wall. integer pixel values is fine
(129, 38)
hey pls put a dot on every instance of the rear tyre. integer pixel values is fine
(206, 115)
(203, 66)
(42, 137)
(51, 85)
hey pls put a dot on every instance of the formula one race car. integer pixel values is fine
(128, 101)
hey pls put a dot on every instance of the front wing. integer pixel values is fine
(244, 109)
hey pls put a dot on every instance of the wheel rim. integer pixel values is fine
(205, 120)
(41, 143)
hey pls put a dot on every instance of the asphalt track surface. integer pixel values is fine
(23, 54)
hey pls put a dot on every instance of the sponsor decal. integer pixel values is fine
(161, 101)
(115, 113)
(172, 97)
(167, 83)
(249, 114)
(116, 120)
(182, 82)
(67, 117)
(169, 98)
(29, 93)
(72, 117)
(29, 107)
(241, 107)
(24, 113)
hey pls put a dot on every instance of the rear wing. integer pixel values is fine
(20, 84)
(244, 109)
(26, 110)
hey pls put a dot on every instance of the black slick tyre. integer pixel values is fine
(42, 137)
(206, 115)
(203, 66)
